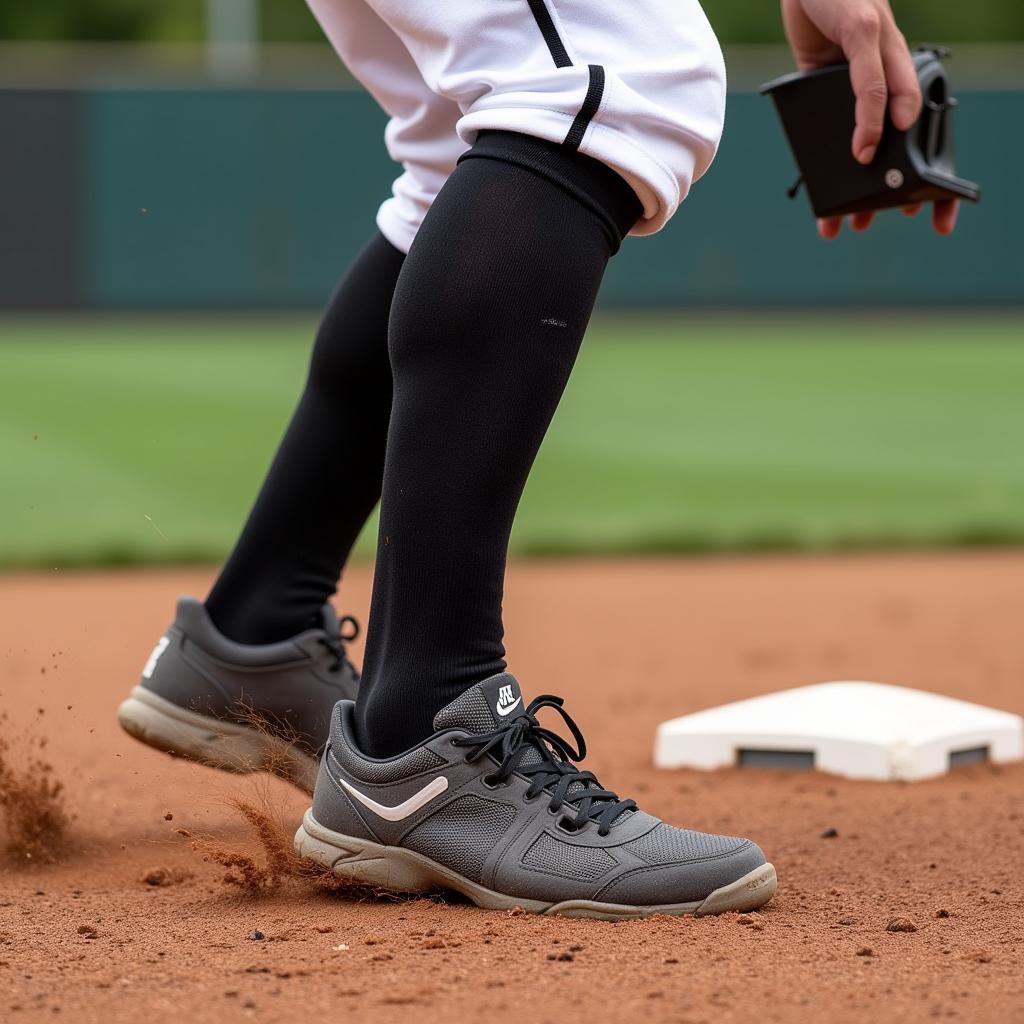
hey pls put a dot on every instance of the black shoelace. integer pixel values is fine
(554, 771)
(336, 644)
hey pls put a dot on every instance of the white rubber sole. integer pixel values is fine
(399, 870)
(226, 745)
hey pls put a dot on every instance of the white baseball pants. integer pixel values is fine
(636, 84)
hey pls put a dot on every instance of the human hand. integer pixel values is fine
(864, 33)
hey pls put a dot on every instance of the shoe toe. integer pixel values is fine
(682, 867)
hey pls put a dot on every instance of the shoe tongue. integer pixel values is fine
(492, 703)
(483, 707)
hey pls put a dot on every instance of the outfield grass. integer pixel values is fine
(144, 440)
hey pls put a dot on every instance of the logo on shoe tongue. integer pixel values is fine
(507, 701)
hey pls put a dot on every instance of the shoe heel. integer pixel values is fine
(157, 722)
(362, 861)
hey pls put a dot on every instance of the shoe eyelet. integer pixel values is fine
(489, 784)
(573, 830)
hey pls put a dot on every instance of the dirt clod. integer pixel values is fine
(163, 876)
(830, 833)
(900, 924)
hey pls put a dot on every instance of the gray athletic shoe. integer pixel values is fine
(492, 806)
(239, 707)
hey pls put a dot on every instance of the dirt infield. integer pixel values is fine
(131, 924)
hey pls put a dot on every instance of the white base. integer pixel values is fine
(859, 730)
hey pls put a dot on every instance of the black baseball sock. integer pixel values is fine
(487, 318)
(326, 476)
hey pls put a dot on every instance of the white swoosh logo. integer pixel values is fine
(433, 788)
(503, 711)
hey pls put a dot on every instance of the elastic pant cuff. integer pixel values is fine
(593, 183)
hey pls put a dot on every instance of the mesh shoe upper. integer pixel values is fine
(667, 845)
(498, 798)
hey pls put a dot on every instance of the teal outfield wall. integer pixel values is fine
(257, 198)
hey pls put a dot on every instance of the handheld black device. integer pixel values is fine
(817, 113)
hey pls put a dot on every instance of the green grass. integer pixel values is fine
(144, 440)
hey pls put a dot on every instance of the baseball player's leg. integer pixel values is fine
(487, 318)
(267, 640)
(587, 121)
(326, 477)
(441, 773)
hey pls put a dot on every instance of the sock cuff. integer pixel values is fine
(593, 183)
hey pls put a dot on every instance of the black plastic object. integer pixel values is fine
(817, 113)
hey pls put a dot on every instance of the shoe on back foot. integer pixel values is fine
(493, 807)
(242, 707)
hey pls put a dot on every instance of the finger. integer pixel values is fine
(944, 215)
(829, 227)
(912, 210)
(867, 76)
(901, 79)
(862, 221)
